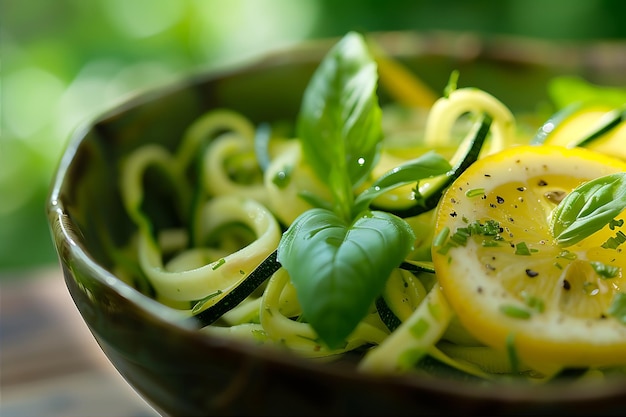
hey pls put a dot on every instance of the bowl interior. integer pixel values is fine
(164, 357)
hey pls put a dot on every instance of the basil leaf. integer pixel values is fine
(339, 122)
(427, 165)
(588, 208)
(338, 269)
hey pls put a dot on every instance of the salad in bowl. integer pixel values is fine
(382, 231)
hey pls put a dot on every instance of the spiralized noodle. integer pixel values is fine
(446, 111)
(229, 224)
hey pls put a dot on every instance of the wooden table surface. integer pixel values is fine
(50, 364)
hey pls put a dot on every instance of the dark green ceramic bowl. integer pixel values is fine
(184, 373)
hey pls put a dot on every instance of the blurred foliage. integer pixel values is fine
(65, 61)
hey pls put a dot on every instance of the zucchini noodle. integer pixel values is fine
(230, 210)
(286, 178)
(412, 340)
(280, 303)
(222, 274)
(216, 176)
(185, 269)
(446, 111)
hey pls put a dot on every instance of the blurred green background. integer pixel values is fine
(65, 61)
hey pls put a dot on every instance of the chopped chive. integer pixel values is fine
(219, 263)
(616, 223)
(460, 236)
(491, 228)
(441, 237)
(614, 242)
(522, 249)
(474, 192)
(515, 311)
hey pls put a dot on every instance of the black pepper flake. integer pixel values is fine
(492, 205)
(531, 273)
(453, 214)
(511, 219)
(490, 267)
(566, 285)
(484, 197)
(479, 290)
(521, 188)
(542, 183)
(499, 199)
(487, 175)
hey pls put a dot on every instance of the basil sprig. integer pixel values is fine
(588, 208)
(339, 122)
(339, 255)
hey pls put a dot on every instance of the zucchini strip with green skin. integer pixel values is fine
(200, 281)
(390, 297)
(386, 315)
(607, 123)
(554, 121)
(466, 156)
(300, 336)
(412, 340)
(418, 266)
(401, 296)
(257, 277)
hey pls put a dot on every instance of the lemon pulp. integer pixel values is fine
(517, 290)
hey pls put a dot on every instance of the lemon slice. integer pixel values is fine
(510, 285)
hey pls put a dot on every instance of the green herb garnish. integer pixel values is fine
(340, 254)
(605, 271)
(588, 208)
(515, 312)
